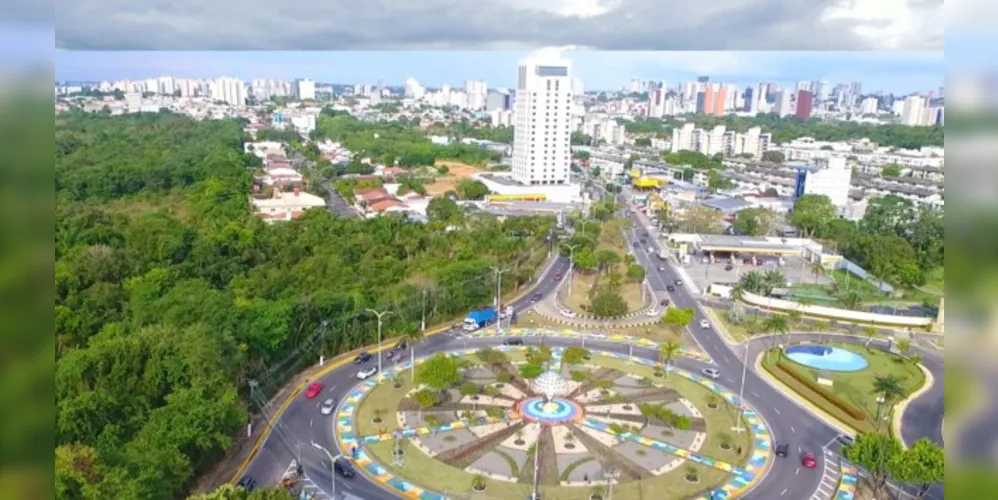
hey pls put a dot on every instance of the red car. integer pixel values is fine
(557, 276)
(313, 390)
(809, 461)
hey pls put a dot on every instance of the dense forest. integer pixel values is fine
(789, 128)
(171, 296)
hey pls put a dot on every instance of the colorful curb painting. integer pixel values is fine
(847, 485)
(744, 477)
(449, 426)
(689, 352)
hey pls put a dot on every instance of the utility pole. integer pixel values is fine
(422, 323)
(571, 265)
(741, 391)
(499, 272)
(537, 453)
(322, 355)
(380, 324)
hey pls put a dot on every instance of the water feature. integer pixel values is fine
(549, 409)
(828, 358)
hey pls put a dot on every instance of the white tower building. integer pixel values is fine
(542, 136)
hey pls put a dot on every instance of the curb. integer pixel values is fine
(342, 359)
(900, 408)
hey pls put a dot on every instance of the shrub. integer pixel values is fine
(504, 377)
(838, 402)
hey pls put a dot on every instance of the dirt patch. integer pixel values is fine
(458, 169)
(440, 187)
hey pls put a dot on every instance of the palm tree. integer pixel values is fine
(777, 325)
(794, 318)
(738, 291)
(412, 336)
(888, 388)
(871, 333)
(817, 269)
(666, 352)
(904, 345)
(851, 299)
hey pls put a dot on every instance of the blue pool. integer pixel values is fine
(823, 357)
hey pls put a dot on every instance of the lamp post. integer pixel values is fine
(741, 391)
(611, 477)
(380, 324)
(499, 272)
(571, 265)
(332, 467)
(584, 223)
(880, 406)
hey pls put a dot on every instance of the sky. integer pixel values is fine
(897, 72)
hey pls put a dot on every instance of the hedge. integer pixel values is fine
(832, 398)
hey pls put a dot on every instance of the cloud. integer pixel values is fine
(498, 24)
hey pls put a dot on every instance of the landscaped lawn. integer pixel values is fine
(738, 332)
(935, 281)
(578, 300)
(855, 388)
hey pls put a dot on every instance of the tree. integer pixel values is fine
(755, 222)
(876, 453)
(531, 371)
(701, 219)
(232, 492)
(607, 303)
(574, 355)
(676, 319)
(811, 213)
(924, 464)
(890, 170)
(778, 325)
(773, 156)
(470, 189)
(443, 209)
(666, 352)
(439, 372)
(425, 398)
(889, 387)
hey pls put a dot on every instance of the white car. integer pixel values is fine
(710, 373)
(661, 268)
(652, 312)
(367, 372)
(704, 324)
(568, 314)
(327, 407)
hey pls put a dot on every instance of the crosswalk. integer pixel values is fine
(830, 477)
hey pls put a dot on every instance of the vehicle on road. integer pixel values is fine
(635, 245)
(400, 346)
(367, 372)
(313, 390)
(710, 373)
(247, 483)
(327, 407)
(557, 276)
(670, 288)
(653, 312)
(535, 297)
(663, 254)
(506, 312)
(661, 268)
(344, 468)
(845, 439)
(568, 314)
(809, 461)
(479, 318)
(651, 250)
(644, 240)
(513, 341)
(782, 449)
(679, 282)
(704, 324)
(363, 357)
(728, 267)
(664, 302)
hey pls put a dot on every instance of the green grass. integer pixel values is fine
(935, 281)
(856, 388)
(385, 397)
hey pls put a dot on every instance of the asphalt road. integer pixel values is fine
(301, 424)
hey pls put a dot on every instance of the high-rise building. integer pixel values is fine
(805, 103)
(783, 103)
(413, 89)
(869, 106)
(231, 91)
(656, 103)
(829, 177)
(543, 108)
(304, 89)
(712, 100)
(913, 111)
(751, 101)
(476, 91)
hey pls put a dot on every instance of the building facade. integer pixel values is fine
(543, 120)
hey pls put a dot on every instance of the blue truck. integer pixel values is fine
(479, 318)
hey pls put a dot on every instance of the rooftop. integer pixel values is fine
(726, 204)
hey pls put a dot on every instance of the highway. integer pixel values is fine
(301, 423)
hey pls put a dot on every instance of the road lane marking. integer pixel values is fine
(784, 492)
(793, 430)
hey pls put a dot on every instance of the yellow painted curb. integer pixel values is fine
(344, 359)
(900, 407)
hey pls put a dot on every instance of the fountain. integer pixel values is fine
(550, 409)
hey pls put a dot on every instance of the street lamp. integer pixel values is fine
(741, 391)
(571, 264)
(380, 324)
(499, 272)
(880, 405)
(611, 477)
(332, 466)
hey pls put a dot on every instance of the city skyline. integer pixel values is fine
(892, 72)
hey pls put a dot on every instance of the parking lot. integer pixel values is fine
(794, 269)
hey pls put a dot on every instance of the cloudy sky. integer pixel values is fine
(499, 24)
(899, 72)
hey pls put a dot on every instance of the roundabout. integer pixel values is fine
(573, 431)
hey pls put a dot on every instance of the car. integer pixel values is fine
(367, 372)
(399, 347)
(247, 483)
(710, 373)
(679, 282)
(670, 288)
(728, 267)
(653, 312)
(344, 468)
(635, 245)
(809, 461)
(363, 357)
(782, 449)
(313, 390)
(644, 240)
(845, 439)
(327, 407)
(651, 250)
(661, 268)
(513, 341)
(557, 276)
(664, 302)
(704, 324)
(535, 297)
(568, 314)
(645, 234)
